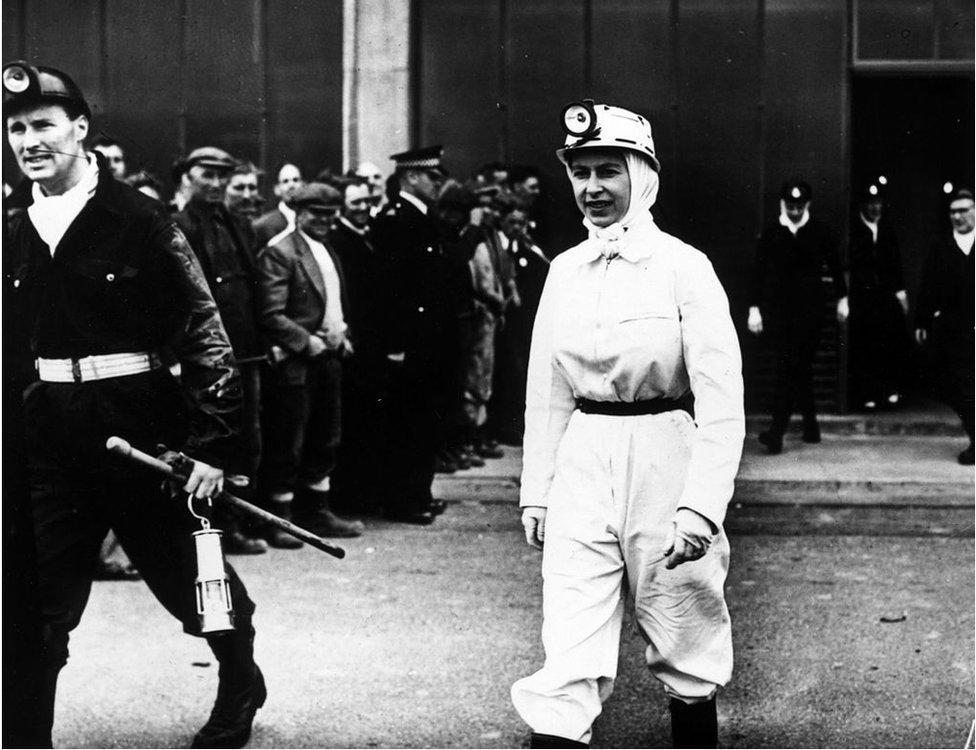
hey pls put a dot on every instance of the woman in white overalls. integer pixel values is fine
(632, 337)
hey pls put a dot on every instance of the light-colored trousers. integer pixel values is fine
(614, 494)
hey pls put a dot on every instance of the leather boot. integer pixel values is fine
(552, 741)
(312, 512)
(240, 694)
(275, 536)
(772, 441)
(694, 724)
(811, 431)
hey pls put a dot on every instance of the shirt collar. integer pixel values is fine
(352, 227)
(421, 206)
(309, 241)
(964, 241)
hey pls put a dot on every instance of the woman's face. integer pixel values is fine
(601, 184)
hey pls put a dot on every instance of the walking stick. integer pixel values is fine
(121, 447)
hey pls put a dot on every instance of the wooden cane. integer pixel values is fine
(122, 447)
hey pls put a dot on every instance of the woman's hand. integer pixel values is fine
(693, 534)
(755, 321)
(534, 523)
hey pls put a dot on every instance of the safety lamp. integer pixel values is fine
(873, 190)
(214, 607)
(579, 118)
(16, 79)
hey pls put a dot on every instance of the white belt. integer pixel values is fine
(96, 367)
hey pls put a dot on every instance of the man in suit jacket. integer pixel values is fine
(945, 315)
(282, 217)
(301, 302)
(421, 330)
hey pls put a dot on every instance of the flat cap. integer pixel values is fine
(209, 156)
(428, 157)
(317, 195)
(796, 191)
(26, 85)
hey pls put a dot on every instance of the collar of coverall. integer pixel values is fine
(623, 237)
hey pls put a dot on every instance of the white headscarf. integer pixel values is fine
(644, 184)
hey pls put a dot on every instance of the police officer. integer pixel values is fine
(787, 299)
(944, 318)
(619, 482)
(222, 244)
(878, 302)
(422, 341)
(107, 290)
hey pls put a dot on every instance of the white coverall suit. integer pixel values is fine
(646, 322)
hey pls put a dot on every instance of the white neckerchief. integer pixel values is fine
(872, 225)
(644, 184)
(51, 215)
(364, 232)
(288, 213)
(963, 241)
(784, 220)
(421, 206)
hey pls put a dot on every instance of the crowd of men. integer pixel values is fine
(381, 326)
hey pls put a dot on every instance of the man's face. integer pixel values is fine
(289, 180)
(46, 142)
(601, 184)
(426, 184)
(206, 184)
(795, 209)
(317, 221)
(514, 224)
(115, 158)
(873, 209)
(961, 215)
(371, 173)
(357, 203)
(529, 190)
(241, 197)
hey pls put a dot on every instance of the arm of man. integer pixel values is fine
(275, 268)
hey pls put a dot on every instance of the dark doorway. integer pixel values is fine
(918, 132)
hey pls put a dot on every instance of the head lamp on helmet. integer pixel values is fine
(590, 125)
(26, 85)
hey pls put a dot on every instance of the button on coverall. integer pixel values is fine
(651, 322)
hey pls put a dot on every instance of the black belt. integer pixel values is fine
(637, 408)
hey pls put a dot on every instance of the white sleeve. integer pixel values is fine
(549, 402)
(711, 353)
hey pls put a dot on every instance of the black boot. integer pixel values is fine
(693, 724)
(772, 441)
(312, 512)
(811, 431)
(240, 694)
(551, 740)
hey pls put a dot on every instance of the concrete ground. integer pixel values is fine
(853, 627)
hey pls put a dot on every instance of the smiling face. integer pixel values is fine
(601, 185)
(357, 202)
(48, 146)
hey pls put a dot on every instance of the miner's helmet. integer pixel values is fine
(589, 125)
(26, 85)
(955, 191)
(795, 191)
(872, 189)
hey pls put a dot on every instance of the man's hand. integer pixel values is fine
(397, 357)
(755, 321)
(902, 297)
(693, 535)
(316, 346)
(204, 480)
(843, 311)
(534, 523)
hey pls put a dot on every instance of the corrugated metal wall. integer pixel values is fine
(260, 78)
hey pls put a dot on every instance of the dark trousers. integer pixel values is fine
(361, 464)
(953, 346)
(415, 414)
(249, 461)
(77, 494)
(795, 343)
(878, 345)
(303, 425)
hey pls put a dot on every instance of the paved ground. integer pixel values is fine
(414, 639)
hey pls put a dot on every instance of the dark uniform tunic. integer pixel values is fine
(122, 279)
(878, 336)
(788, 289)
(945, 311)
(421, 324)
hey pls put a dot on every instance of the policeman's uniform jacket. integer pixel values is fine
(363, 275)
(124, 279)
(230, 269)
(291, 300)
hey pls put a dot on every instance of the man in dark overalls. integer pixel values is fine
(108, 291)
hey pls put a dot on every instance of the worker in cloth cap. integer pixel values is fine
(107, 290)
(223, 244)
(944, 319)
(619, 481)
(303, 312)
(786, 305)
(422, 338)
(878, 336)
